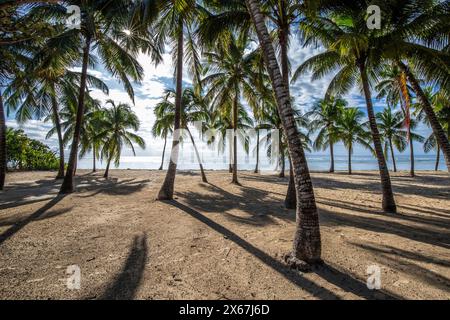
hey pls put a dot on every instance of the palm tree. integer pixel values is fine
(40, 90)
(102, 27)
(350, 47)
(16, 46)
(116, 123)
(307, 241)
(232, 72)
(68, 117)
(172, 22)
(441, 103)
(325, 115)
(90, 140)
(193, 110)
(392, 131)
(162, 127)
(216, 130)
(350, 131)
(416, 40)
(395, 89)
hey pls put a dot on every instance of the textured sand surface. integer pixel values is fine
(218, 240)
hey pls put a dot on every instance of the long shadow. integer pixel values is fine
(342, 280)
(111, 186)
(126, 283)
(260, 206)
(399, 259)
(429, 221)
(383, 226)
(39, 214)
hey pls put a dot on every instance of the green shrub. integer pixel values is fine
(24, 153)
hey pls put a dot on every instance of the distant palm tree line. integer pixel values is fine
(235, 51)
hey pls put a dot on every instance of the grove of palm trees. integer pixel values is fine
(224, 149)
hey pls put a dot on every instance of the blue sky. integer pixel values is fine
(156, 79)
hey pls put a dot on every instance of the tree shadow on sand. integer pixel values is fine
(42, 213)
(125, 285)
(326, 271)
(260, 205)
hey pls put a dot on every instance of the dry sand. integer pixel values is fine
(218, 240)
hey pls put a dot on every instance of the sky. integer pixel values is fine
(156, 79)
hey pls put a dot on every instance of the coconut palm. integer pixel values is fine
(416, 40)
(349, 49)
(17, 45)
(68, 115)
(307, 241)
(216, 130)
(395, 89)
(102, 27)
(231, 73)
(40, 90)
(393, 132)
(115, 132)
(350, 131)
(162, 127)
(193, 110)
(173, 22)
(441, 103)
(324, 117)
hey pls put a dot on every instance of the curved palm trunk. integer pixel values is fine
(164, 151)
(2, 143)
(67, 185)
(198, 157)
(290, 202)
(307, 242)
(257, 151)
(391, 147)
(166, 192)
(57, 123)
(235, 126)
(106, 175)
(388, 202)
(438, 158)
(438, 131)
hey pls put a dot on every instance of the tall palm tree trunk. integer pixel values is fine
(388, 202)
(235, 125)
(331, 156)
(166, 192)
(438, 131)
(106, 175)
(198, 157)
(391, 147)
(282, 156)
(257, 151)
(411, 153)
(163, 153)
(350, 160)
(67, 185)
(290, 199)
(94, 159)
(438, 158)
(2, 143)
(290, 202)
(307, 241)
(57, 123)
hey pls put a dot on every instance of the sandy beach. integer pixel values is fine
(218, 240)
